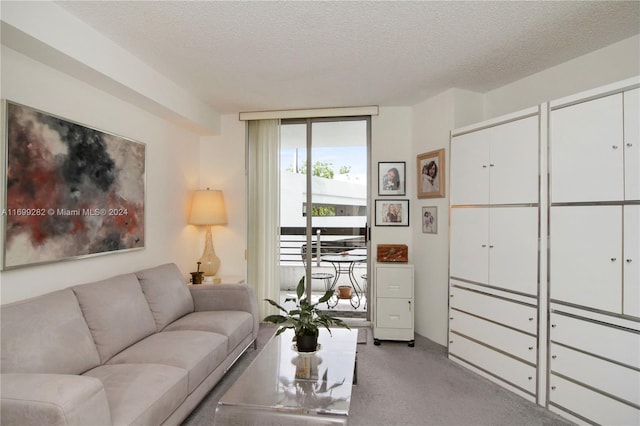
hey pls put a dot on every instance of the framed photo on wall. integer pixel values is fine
(430, 220)
(72, 191)
(392, 212)
(430, 167)
(392, 178)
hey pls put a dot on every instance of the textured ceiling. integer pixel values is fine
(251, 56)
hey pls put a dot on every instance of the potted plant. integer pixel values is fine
(305, 319)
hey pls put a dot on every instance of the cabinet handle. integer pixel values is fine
(484, 245)
(450, 341)
(554, 356)
(613, 259)
(451, 318)
(409, 302)
(553, 326)
(530, 378)
(628, 260)
(491, 246)
(614, 146)
(629, 144)
(484, 166)
(530, 348)
(553, 388)
(531, 319)
(491, 165)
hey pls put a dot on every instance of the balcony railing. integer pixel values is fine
(293, 243)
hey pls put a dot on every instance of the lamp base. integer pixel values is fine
(210, 263)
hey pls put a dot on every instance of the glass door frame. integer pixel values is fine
(309, 190)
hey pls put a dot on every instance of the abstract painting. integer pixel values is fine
(70, 191)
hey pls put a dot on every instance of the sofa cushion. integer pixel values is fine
(166, 292)
(236, 325)
(53, 399)
(141, 394)
(46, 334)
(198, 352)
(117, 313)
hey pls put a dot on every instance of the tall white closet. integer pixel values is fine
(594, 255)
(494, 242)
(545, 253)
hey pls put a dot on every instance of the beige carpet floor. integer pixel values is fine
(403, 386)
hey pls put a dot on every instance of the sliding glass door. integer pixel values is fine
(323, 219)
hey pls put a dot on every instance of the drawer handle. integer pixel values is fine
(613, 259)
(530, 378)
(484, 166)
(614, 146)
(530, 348)
(531, 319)
(490, 246)
(484, 245)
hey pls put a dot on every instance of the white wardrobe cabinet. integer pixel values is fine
(494, 165)
(494, 250)
(394, 303)
(595, 368)
(594, 257)
(496, 246)
(595, 154)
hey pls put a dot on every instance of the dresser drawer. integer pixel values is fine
(394, 282)
(513, 342)
(507, 368)
(517, 315)
(611, 378)
(593, 405)
(608, 342)
(394, 313)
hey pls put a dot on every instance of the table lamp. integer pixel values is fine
(207, 208)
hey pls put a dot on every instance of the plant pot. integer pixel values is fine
(307, 343)
(344, 292)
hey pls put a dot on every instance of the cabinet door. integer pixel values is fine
(513, 248)
(470, 168)
(631, 265)
(513, 166)
(586, 256)
(587, 151)
(632, 144)
(469, 244)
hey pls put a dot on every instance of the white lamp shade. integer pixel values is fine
(207, 208)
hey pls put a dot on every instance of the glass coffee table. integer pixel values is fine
(284, 387)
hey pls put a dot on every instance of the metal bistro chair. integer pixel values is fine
(326, 277)
(364, 290)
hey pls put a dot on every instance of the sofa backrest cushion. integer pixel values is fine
(117, 313)
(46, 334)
(167, 293)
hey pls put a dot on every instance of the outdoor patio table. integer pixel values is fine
(345, 264)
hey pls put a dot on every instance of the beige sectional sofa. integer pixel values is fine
(141, 348)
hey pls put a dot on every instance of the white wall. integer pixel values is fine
(433, 119)
(613, 63)
(172, 170)
(222, 166)
(391, 141)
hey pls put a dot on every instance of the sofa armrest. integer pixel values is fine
(53, 399)
(226, 297)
